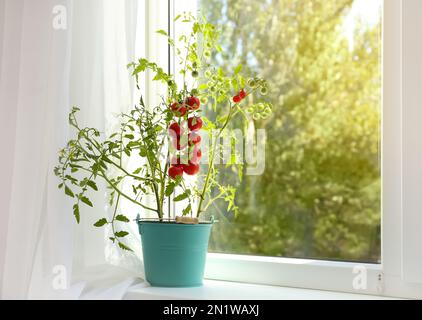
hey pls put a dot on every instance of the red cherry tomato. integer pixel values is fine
(242, 94)
(194, 139)
(191, 169)
(236, 99)
(175, 130)
(195, 123)
(174, 106)
(196, 155)
(193, 102)
(179, 109)
(175, 172)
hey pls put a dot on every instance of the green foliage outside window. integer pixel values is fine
(319, 196)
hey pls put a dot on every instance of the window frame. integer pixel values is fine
(385, 279)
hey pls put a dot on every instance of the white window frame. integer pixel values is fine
(400, 271)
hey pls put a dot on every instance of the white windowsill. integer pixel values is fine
(220, 290)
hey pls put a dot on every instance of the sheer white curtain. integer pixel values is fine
(44, 70)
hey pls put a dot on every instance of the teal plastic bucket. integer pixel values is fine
(174, 254)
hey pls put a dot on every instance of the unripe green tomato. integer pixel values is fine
(252, 83)
(256, 116)
(251, 110)
(264, 91)
(260, 107)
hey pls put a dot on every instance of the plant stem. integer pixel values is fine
(185, 89)
(183, 185)
(154, 186)
(213, 149)
(213, 199)
(123, 194)
(202, 196)
(164, 180)
(114, 215)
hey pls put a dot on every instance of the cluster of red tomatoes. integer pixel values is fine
(239, 97)
(186, 143)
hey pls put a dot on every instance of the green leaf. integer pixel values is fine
(100, 223)
(112, 239)
(130, 136)
(221, 98)
(161, 31)
(72, 179)
(181, 197)
(86, 201)
(187, 210)
(238, 69)
(60, 186)
(92, 184)
(124, 247)
(222, 119)
(137, 171)
(235, 84)
(132, 144)
(169, 189)
(68, 192)
(76, 213)
(179, 180)
(122, 218)
(242, 81)
(121, 234)
(143, 152)
(102, 164)
(106, 159)
(177, 17)
(203, 86)
(111, 200)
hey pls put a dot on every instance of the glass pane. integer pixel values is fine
(319, 196)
